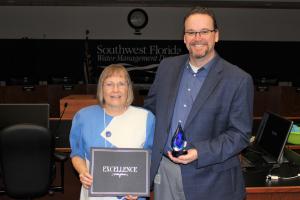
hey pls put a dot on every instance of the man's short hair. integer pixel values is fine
(203, 11)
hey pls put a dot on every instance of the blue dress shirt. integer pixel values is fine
(190, 85)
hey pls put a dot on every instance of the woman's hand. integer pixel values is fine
(84, 176)
(131, 197)
(86, 180)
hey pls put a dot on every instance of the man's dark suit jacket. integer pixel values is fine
(218, 126)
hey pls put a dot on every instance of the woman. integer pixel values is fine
(112, 123)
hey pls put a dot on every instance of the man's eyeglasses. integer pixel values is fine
(204, 32)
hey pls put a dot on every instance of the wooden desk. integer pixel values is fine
(63, 150)
(293, 147)
(273, 193)
(75, 103)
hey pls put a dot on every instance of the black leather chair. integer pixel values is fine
(27, 162)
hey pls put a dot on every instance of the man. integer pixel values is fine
(213, 101)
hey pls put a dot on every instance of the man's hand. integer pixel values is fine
(191, 155)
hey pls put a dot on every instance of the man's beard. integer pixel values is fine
(193, 49)
(198, 55)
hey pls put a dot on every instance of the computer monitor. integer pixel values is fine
(11, 114)
(272, 136)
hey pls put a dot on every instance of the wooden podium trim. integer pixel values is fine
(75, 103)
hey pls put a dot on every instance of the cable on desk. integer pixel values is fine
(275, 178)
(271, 177)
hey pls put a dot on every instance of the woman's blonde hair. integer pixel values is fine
(111, 70)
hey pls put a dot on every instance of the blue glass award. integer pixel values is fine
(178, 143)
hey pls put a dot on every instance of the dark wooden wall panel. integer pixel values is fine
(25, 94)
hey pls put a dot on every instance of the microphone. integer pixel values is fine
(59, 120)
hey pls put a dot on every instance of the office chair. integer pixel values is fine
(27, 162)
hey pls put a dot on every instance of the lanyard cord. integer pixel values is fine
(104, 124)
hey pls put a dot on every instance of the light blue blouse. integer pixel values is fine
(89, 122)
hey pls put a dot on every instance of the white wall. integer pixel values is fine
(164, 23)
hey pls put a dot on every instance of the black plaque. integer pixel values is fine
(120, 171)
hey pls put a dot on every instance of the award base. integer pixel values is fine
(179, 153)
